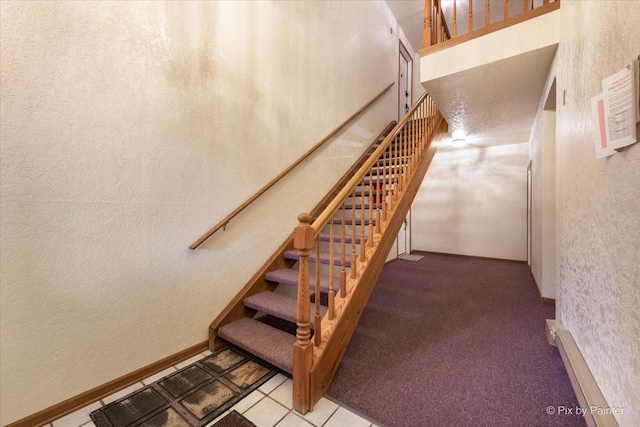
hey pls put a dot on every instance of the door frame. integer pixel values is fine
(403, 53)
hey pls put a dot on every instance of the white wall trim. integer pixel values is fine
(597, 413)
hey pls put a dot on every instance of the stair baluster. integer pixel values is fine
(363, 219)
(378, 201)
(372, 188)
(332, 294)
(317, 321)
(354, 260)
(384, 184)
(343, 255)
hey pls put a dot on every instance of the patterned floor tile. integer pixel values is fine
(293, 420)
(266, 413)
(248, 402)
(343, 417)
(284, 394)
(322, 411)
(273, 383)
(77, 418)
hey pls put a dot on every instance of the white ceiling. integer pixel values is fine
(410, 16)
(493, 104)
(496, 103)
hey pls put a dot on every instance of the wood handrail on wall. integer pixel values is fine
(381, 193)
(270, 184)
(433, 39)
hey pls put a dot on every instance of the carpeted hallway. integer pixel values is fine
(453, 341)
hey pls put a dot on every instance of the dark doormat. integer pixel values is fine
(234, 419)
(191, 397)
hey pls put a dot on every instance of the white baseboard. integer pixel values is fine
(597, 413)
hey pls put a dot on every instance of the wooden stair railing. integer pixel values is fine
(271, 183)
(377, 199)
(436, 35)
(261, 282)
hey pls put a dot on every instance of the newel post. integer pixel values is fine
(303, 347)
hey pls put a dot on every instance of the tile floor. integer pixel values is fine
(268, 406)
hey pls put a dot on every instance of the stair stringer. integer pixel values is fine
(324, 368)
(235, 310)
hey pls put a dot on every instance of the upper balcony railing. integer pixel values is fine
(450, 22)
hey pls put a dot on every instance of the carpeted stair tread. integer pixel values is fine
(280, 306)
(264, 341)
(287, 276)
(324, 257)
(326, 237)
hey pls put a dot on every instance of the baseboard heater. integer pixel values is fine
(595, 409)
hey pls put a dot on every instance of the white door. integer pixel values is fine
(404, 103)
(404, 86)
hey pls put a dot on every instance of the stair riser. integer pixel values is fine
(281, 306)
(337, 239)
(324, 247)
(324, 268)
(324, 261)
(324, 271)
(337, 230)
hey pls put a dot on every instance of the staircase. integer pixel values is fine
(346, 239)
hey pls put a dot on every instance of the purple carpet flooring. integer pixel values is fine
(453, 341)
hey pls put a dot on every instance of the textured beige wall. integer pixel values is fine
(598, 205)
(473, 202)
(128, 129)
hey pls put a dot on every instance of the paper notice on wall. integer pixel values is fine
(620, 108)
(600, 134)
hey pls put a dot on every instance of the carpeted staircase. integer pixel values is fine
(300, 309)
(268, 342)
